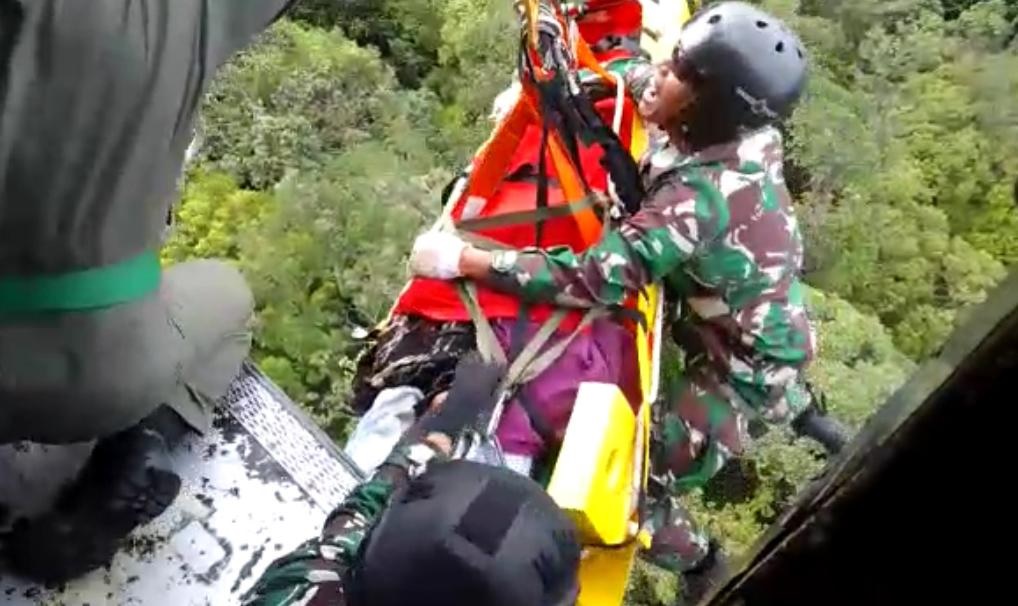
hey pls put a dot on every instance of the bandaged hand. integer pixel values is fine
(436, 254)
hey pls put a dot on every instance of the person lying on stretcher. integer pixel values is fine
(412, 357)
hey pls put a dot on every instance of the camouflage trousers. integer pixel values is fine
(697, 430)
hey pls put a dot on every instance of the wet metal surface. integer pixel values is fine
(257, 486)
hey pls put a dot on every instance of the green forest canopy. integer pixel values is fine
(326, 147)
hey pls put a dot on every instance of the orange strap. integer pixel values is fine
(494, 156)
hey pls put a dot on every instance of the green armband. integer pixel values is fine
(94, 288)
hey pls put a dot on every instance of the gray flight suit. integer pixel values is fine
(97, 103)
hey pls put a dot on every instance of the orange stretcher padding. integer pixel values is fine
(514, 143)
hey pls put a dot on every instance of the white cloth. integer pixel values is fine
(490, 452)
(521, 464)
(391, 415)
(436, 254)
(378, 431)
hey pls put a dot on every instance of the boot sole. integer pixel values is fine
(72, 555)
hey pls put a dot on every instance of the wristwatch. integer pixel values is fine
(413, 458)
(502, 261)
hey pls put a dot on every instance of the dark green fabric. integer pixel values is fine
(544, 467)
(129, 280)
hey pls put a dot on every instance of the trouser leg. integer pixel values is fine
(129, 479)
(695, 435)
(210, 308)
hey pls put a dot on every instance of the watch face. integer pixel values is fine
(503, 261)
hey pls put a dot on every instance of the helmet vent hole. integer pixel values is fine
(761, 24)
(780, 47)
(714, 19)
(798, 51)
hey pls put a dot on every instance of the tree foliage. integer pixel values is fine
(900, 162)
(212, 214)
(326, 146)
(407, 33)
(480, 40)
(315, 285)
(300, 96)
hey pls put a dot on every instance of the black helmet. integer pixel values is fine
(467, 534)
(755, 63)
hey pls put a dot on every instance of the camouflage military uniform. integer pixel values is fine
(315, 573)
(718, 229)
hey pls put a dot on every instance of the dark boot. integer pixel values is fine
(127, 482)
(826, 430)
(708, 575)
(815, 423)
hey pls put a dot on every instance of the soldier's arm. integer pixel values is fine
(314, 573)
(651, 244)
(637, 73)
(315, 570)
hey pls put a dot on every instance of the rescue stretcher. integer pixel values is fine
(600, 476)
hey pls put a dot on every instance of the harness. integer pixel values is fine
(553, 100)
(540, 101)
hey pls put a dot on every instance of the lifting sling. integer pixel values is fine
(566, 118)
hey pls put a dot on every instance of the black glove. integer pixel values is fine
(817, 425)
(471, 399)
(469, 403)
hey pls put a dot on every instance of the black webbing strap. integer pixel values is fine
(619, 163)
(527, 216)
(576, 120)
(450, 186)
(542, 184)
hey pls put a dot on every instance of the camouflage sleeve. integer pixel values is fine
(638, 74)
(313, 574)
(668, 230)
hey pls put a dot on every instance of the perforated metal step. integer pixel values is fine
(255, 487)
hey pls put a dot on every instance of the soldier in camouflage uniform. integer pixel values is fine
(717, 227)
(97, 340)
(426, 530)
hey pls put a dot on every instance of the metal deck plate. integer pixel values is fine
(255, 487)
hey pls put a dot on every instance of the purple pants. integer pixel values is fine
(604, 353)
